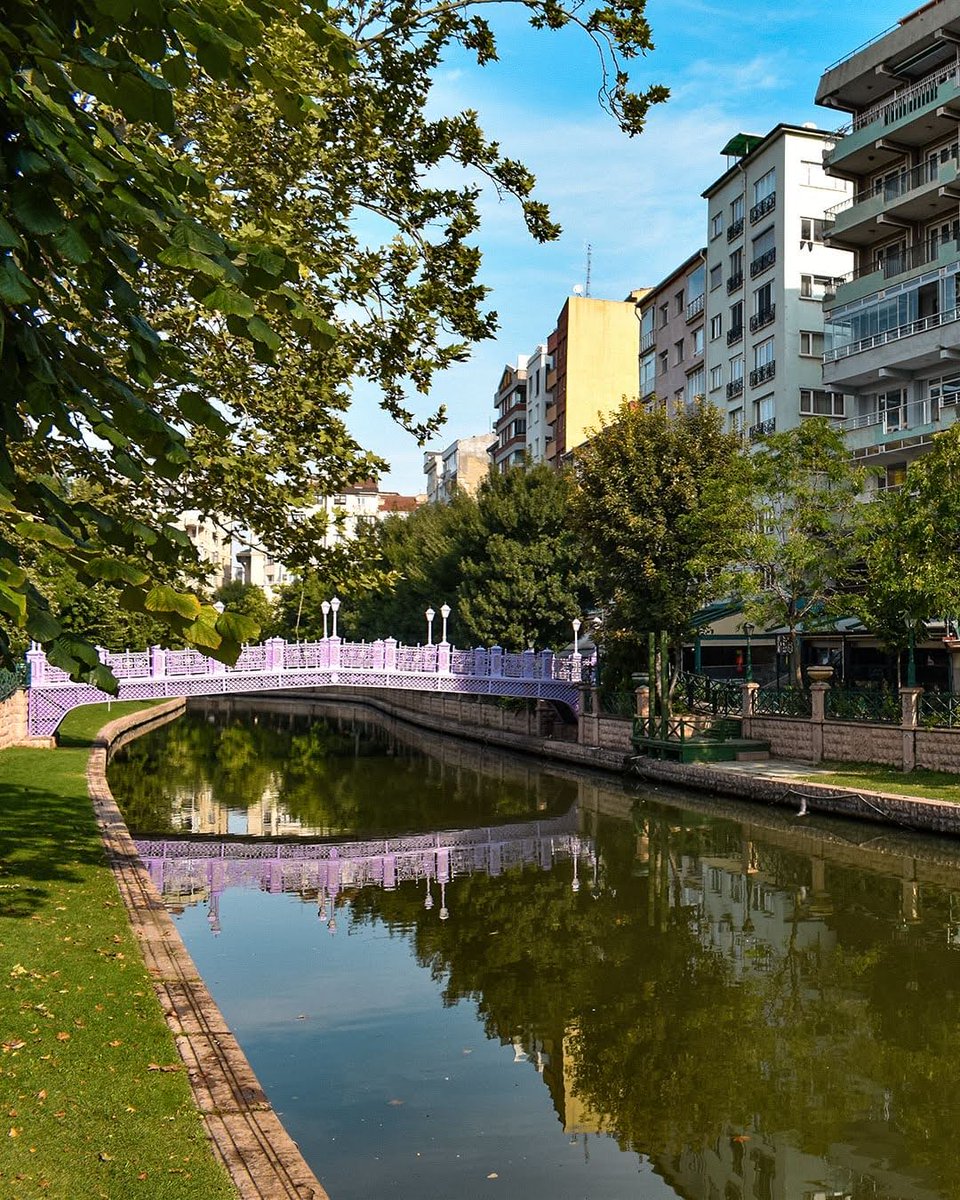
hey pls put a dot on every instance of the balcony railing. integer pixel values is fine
(695, 307)
(934, 321)
(767, 259)
(764, 317)
(647, 340)
(762, 429)
(734, 282)
(734, 229)
(895, 186)
(904, 101)
(734, 335)
(762, 207)
(896, 419)
(735, 388)
(761, 374)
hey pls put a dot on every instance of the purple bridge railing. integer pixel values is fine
(187, 871)
(277, 665)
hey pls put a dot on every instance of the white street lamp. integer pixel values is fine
(444, 612)
(430, 614)
(325, 609)
(576, 634)
(335, 608)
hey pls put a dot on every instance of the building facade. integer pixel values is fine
(464, 465)
(212, 543)
(594, 351)
(892, 337)
(510, 426)
(672, 337)
(769, 268)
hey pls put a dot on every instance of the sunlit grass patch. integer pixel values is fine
(871, 777)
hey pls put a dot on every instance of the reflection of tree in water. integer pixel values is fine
(323, 774)
(831, 1044)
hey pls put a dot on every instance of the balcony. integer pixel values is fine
(912, 116)
(921, 345)
(695, 307)
(763, 263)
(734, 229)
(761, 374)
(763, 318)
(878, 431)
(894, 269)
(735, 388)
(734, 283)
(921, 194)
(734, 335)
(762, 429)
(551, 378)
(647, 340)
(762, 207)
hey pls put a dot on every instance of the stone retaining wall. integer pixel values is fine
(13, 720)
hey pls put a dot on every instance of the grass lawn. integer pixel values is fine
(869, 777)
(88, 1111)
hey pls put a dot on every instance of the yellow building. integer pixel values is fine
(595, 353)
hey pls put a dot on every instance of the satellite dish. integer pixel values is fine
(578, 289)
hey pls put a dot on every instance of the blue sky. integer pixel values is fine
(731, 67)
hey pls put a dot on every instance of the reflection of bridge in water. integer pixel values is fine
(186, 871)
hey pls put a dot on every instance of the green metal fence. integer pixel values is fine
(700, 693)
(12, 681)
(940, 709)
(857, 704)
(781, 702)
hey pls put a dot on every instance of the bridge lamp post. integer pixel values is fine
(748, 628)
(444, 613)
(335, 608)
(325, 609)
(429, 614)
(576, 622)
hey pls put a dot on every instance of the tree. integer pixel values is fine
(249, 600)
(802, 549)
(181, 268)
(907, 549)
(660, 507)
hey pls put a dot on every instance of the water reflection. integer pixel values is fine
(708, 1000)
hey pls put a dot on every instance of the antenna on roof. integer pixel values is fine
(586, 290)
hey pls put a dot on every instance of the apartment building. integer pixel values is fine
(510, 426)
(672, 336)
(769, 268)
(539, 400)
(892, 336)
(594, 351)
(212, 542)
(463, 465)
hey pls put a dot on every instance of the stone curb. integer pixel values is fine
(262, 1159)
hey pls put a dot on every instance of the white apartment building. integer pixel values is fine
(539, 399)
(893, 324)
(768, 270)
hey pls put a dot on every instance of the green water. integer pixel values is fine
(698, 1000)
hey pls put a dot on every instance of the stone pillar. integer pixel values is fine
(818, 700)
(546, 664)
(909, 720)
(443, 658)
(158, 662)
(642, 695)
(748, 700)
(529, 667)
(274, 653)
(333, 646)
(36, 665)
(378, 655)
(390, 654)
(496, 662)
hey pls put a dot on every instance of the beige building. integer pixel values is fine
(672, 337)
(212, 543)
(464, 465)
(594, 349)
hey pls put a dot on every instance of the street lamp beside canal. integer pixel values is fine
(748, 628)
(335, 608)
(444, 613)
(429, 614)
(325, 609)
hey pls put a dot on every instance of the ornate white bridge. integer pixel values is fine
(277, 665)
(186, 870)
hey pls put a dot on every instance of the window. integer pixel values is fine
(811, 230)
(763, 353)
(945, 390)
(736, 210)
(664, 314)
(716, 378)
(815, 287)
(736, 420)
(765, 186)
(764, 243)
(893, 408)
(764, 409)
(695, 282)
(716, 225)
(678, 352)
(812, 174)
(814, 402)
(716, 326)
(698, 340)
(678, 303)
(664, 362)
(763, 298)
(695, 385)
(736, 316)
(811, 343)
(646, 323)
(648, 366)
(736, 367)
(736, 263)
(716, 277)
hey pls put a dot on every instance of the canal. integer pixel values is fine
(460, 973)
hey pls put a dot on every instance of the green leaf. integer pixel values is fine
(42, 625)
(200, 633)
(115, 570)
(163, 599)
(226, 300)
(176, 71)
(236, 627)
(197, 409)
(35, 210)
(9, 238)
(260, 331)
(15, 287)
(13, 603)
(72, 246)
(39, 531)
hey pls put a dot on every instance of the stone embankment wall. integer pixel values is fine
(13, 720)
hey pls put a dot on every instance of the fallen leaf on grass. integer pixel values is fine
(116, 1042)
(493, 1175)
(63, 1036)
(14, 1044)
(14, 1132)
(164, 1066)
